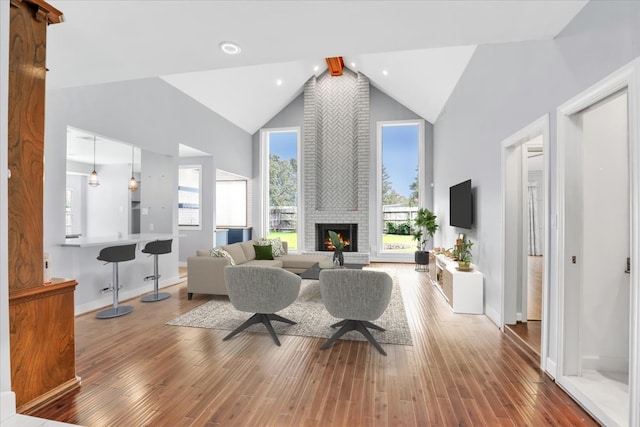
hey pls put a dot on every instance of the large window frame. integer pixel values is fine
(422, 187)
(264, 177)
(184, 190)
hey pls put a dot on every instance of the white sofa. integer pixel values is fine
(206, 273)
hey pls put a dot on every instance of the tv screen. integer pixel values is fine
(461, 205)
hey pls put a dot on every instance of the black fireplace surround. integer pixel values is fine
(347, 232)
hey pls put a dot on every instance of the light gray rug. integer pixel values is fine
(310, 313)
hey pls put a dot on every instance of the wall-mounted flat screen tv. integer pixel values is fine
(461, 205)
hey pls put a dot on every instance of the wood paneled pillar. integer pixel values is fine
(42, 333)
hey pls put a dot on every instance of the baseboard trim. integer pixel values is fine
(492, 314)
(45, 398)
(124, 295)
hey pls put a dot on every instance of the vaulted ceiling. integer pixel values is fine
(414, 51)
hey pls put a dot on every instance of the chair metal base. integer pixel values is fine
(155, 297)
(355, 325)
(114, 312)
(264, 319)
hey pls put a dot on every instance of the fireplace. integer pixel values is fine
(347, 232)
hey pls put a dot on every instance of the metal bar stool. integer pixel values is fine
(155, 248)
(115, 255)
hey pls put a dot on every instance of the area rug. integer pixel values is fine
(308, 311)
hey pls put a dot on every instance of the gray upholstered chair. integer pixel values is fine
(263, 291)
(358, 296)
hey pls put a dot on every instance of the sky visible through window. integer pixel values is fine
(397, 142)
(283, 145)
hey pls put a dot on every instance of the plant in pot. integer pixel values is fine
(426, 227)
(338, 246)
(462, 252)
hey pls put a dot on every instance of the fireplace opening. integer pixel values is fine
(347, 232)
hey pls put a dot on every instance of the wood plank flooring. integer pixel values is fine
(461, 371)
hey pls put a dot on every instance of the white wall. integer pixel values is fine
(149, 114)
(7, 398)
(504, 88)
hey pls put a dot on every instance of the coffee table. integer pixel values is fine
(313, 272)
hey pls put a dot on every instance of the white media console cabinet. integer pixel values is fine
(463, 290)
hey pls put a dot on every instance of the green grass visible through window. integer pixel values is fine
(291, 237)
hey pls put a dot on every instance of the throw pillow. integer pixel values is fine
(263, 252)
(221, 253)
(276, 245)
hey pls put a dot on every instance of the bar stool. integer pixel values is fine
(156, 248)
(115, 255)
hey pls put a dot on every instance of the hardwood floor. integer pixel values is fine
(460, 371)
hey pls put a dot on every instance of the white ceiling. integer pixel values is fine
(424, 46)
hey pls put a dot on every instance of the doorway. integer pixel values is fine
(598, 237)
(525, 230)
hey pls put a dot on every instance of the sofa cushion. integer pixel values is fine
(236, 252)
(247, 248)
(204, 252)
(276, 245)
(221, 253)
(263, 252)
(265, 263)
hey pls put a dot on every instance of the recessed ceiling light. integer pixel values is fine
(316, 68)
(279, 82)
(385, 73)
(230, 48)
(353, 64)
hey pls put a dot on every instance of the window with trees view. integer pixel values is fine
(280, 156)
(399, 175)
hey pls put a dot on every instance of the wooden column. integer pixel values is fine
(41, 317)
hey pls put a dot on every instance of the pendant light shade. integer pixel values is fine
(133, 184)
(93, 178)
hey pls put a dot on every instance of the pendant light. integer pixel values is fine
(93, 178)
(133, 184)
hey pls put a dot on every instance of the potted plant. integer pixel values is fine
(338, 246)
(426, 227)
(462, 252)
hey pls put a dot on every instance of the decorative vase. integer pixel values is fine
(337, 255)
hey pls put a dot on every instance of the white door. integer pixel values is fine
(597, 245)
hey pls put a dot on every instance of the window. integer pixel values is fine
(68, 215)
(189, 183)
(231, 203)
(280, 177)
(400, 173)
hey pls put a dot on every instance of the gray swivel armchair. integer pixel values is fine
(358, 296)
(263, 291)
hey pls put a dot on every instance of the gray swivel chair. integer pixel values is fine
(155, 248)
(358, 296)
(116, 255)
(263, 291)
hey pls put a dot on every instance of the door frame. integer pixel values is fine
(569, 134)
(512, 225)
